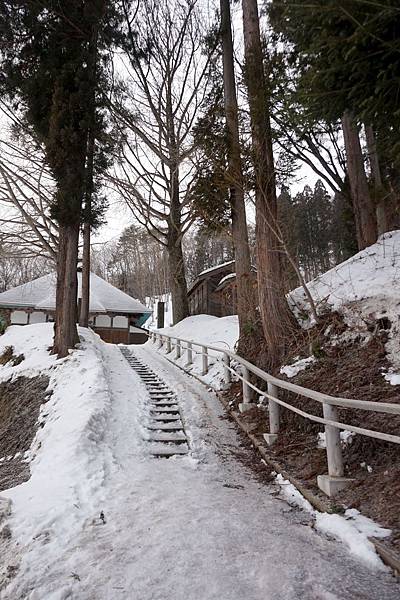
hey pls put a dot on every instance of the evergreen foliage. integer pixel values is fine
(347, 53)
(54, 59)
(316, 230)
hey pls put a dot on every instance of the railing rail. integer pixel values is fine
(335, 479)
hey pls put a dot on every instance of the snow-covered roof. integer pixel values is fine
(41, 295)
(201, 276)
(229, 276)
(216, 267)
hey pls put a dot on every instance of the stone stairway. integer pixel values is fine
(165, 431)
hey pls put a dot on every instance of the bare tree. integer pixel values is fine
(26, 194)
(136, 263)
(163, 97)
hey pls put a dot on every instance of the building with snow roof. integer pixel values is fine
(114, 315)
(214, 291)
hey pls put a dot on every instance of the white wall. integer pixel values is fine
(121, 322)
(19, 317)
(103, 321)
(38, 317)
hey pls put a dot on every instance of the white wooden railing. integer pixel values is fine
(335, 480)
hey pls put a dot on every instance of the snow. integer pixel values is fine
(353, 529)
(372, 276)
(365, 289)
(210, 269)
(226, 278)
(195, 527)
(298, 365)
(41, 294)
(392, 378)
(346, 437)
(292, 494)
(220, 332)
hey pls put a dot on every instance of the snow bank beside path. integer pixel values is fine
(371, 278)
(66, 466)
(33, 342)
(353, 528)
(221, 332)
(365, 289)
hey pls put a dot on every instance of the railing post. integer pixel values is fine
(246, 404)
(153, 337)
(161, 341)
(335, 480)
(204, 360)
(227, 374)
(189, 353)
(332, 438)
(178, 348)
(168, 345)
(273, 410)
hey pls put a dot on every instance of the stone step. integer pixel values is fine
(164, 418)
(176, 438)
(159, 388)
(161, 402)
(172, 409)
(167, 450)
(165, 432)
(165, 427)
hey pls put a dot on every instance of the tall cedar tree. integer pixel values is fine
(246, 305)
(275, 313)
(52, 56)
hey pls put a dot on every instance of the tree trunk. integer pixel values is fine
(276, 316)
(89, 184)
(66, 333)
(363, 207)
(381, 194)
(61, 253)
(246, 304)
(84, 314)
(177, 277)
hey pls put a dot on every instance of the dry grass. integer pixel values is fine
(9, 356)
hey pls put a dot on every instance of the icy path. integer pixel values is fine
(194, 528)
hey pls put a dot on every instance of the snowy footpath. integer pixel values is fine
(197, 527)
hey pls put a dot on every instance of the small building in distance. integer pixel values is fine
(214, 291)
(114, 315)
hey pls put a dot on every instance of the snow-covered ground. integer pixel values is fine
(371, 279)
(199, 527)
(214, 331)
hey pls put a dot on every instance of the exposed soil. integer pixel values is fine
(350, 371)
(20, 402)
